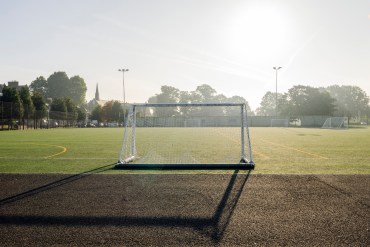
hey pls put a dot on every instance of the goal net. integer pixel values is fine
(283, 122)
(186, 136)
(336, 123)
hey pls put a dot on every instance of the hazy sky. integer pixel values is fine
(231, 45)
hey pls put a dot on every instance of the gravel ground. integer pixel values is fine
(184, 210)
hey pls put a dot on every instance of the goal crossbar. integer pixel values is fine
(131, 160)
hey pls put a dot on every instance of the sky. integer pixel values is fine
(231, 45)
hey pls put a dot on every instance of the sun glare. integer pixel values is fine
(258, 31)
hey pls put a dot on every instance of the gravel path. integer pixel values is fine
(184, 210)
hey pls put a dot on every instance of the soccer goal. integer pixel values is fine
(336, 123)
(186, 136)
(282, 122)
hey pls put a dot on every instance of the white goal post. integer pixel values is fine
(186, 136)
(336, 123)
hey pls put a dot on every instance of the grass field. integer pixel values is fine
(275, 150)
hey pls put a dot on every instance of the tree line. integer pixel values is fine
(59, 95)
(202, 94)
(59, 85)
(349, 101)
(23, 106)
(111, 111)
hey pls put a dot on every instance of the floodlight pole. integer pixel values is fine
(276, 95)
(124, 94)
(123, 82)
(49, 100)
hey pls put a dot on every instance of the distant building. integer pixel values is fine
(15, 84)
(97, 97)
(12, 84)
(97, 101)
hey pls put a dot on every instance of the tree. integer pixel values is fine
(59, 105)
(81, 114)
(206, 93)
(38, 101)
(168, 95)
(70, 105)
(117, 111)
(27, 103)
(112, 111)
(305, 101)
(71, 110)
(203, 94)
(351, 100)
(58, 109)
(58, 85)
(268, 104)
(185, 98)
(96, 114)
(239, 99)
(15, 110)
(39, 86)
(106, 112)
(77, 89)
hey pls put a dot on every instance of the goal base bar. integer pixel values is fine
(243, 166)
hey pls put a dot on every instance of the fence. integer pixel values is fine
(302, 121)
(223, 121)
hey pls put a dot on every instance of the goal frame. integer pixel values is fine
(245, 163)
(342, 120)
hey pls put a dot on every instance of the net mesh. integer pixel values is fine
(336, 123)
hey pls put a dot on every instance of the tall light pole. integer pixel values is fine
(276, 95)
(123, 82)
(124, 94)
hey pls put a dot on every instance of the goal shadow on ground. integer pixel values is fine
(52, 185)
(212, 227)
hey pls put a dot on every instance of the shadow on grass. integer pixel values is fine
(213, 227)
(53, 185)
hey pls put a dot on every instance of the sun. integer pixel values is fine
(258, 31)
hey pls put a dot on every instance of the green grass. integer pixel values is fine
(275, 150)
(303, 151)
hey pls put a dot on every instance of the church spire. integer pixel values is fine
(97, 92)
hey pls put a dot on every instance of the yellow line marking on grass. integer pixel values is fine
(296, 149)
(62, 152)
(64, 149)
